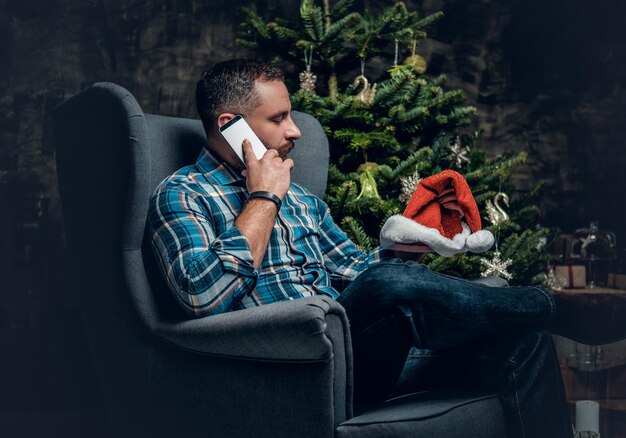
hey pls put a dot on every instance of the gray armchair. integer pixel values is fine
(281, 370)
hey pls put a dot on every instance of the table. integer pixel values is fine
(596, 372)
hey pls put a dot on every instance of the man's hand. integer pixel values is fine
(448, 200)
(269, 174)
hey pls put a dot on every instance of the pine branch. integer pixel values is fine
(357, 234)
(339, 28)
(427, 21)
(256, 23)
(414, 163)
(283, 33)
(345, 192)
(496, 169)
(335, 176)
(313, 20)
(340, 9)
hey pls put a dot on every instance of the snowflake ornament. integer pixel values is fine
(496, 266)
(457, 153)
(409, 185)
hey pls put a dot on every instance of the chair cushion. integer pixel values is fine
(429, 414)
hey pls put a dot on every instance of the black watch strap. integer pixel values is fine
(266, 195)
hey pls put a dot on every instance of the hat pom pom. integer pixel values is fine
(480, 241)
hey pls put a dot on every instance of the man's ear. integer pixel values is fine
(224, 118)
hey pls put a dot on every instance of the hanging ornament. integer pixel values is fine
(415, 61)
(367, 94)
(554, 281)
(409, 185)
(496, 266)
(457, 153)
(495, 213)
(369, 187)
(307, 78)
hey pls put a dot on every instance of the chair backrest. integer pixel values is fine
(110, 158)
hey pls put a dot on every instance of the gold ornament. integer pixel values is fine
(418, 63)
(367, 94)
(495, 213)
(415, 61)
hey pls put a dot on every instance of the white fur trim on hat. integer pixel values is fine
(480, 241)
(402, 233)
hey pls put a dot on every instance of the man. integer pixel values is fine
(229, 237)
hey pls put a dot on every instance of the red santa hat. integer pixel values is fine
(425, 225)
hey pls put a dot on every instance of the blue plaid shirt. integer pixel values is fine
(207, 261)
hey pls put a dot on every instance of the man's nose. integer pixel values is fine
(293, 132)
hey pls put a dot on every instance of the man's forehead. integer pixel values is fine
(273, 95)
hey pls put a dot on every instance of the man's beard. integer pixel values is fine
(283, 151)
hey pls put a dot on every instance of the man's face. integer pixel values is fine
(271, 120)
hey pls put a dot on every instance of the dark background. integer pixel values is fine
(549, 78)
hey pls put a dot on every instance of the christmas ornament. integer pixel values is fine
(409, 185)
(457, 153)
(425, 222)
(415, 61)
(495, 213)
(418, 63)
(496, 266)
(366, 95)
(307, 78)
(554, 281)
(369, 188)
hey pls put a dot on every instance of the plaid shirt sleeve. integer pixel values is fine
(342, 257)
(209, 273)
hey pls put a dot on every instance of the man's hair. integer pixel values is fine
(230, 87)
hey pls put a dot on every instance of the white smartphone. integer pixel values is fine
(235, 131)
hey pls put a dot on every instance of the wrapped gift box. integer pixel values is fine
(617, 281)
(574, 275)
(562, 246)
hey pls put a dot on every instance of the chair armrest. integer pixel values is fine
(286, 331)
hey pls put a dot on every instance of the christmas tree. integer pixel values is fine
(386, 136)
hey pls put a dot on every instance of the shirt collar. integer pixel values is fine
(217, 171)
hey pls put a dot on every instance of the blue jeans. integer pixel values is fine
(413, 329)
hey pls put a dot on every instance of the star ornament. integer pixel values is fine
(496, 266)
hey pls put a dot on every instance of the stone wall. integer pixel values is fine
(547, 77)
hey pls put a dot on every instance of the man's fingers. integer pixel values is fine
(248, 152)
(270, 153)
(289, 162)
